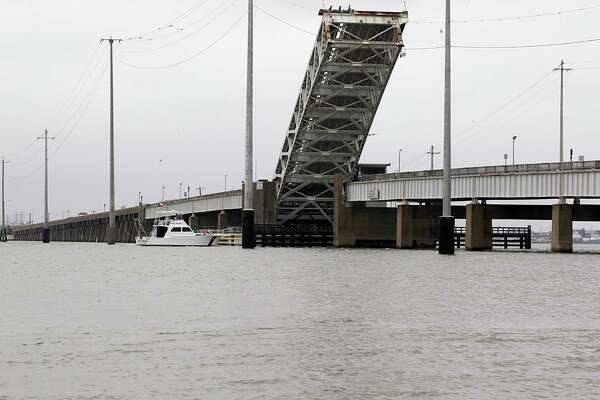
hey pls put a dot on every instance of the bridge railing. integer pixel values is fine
(489, 170)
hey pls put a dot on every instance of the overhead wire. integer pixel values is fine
(71, 96)
(193, 56)
(312, 34)
(83, 108)
(80, 84)
(93, 76)
(506, 47)
(505, 105)
(168, 25)
(512, 18)
(527, 46)
(512, 114)
(221, 8)
(79, 113)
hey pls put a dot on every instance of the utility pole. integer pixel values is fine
(446, 245)
(248, 228)
(433, 153)
(46, 232)
(110, 236)
(3, 233)
(562, 70)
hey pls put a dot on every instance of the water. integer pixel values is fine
(87, 321)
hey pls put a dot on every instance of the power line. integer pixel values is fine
(513, 114)
(513, 18)
(93, 76)
(505, 47)
(220, 8)
(284, 22)
(168, 25)
(505, 105)
(81, 82)
(83, 109)
(192, 56)
(528, 46)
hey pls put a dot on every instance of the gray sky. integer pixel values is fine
(192, 116)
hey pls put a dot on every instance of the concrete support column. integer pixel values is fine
(404, 227)
(342, 218)
(223, 219)
(562, 228)
(417, 226)
(478, 235)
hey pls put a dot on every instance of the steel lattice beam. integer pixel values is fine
(351, 63)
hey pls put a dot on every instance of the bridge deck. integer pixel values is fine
(527, 181)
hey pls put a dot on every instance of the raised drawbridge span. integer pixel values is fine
(349, 68)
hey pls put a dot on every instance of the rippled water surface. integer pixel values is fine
(86, 321)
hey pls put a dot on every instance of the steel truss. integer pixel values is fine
(349, 68)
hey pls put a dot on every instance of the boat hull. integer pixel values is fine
(186, 241)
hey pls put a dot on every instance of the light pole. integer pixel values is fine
(446, 245)
(3, 237)
(399, 159)
(513, 143)
(180, 185)
(111, 234)
(248, 228)
(505, 160)
(163, 193)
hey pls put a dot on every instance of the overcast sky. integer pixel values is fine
(185, 123)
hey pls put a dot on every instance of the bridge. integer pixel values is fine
(314, 182)
(397, 210)
(403, 208)
(349, 68)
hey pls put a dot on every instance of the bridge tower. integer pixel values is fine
(349, 68)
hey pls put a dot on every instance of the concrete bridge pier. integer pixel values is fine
(223, 219)
(478, 228)
(562, 228)
(417, 227)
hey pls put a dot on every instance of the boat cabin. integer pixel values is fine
(170, 227)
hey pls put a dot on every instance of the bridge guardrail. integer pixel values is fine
(495, 169)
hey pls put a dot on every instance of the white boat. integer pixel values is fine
(174, 231)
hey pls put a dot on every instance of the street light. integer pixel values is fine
(180, 185)
(163, 196)
(513, 142)
(224, 194)
(505, 159)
